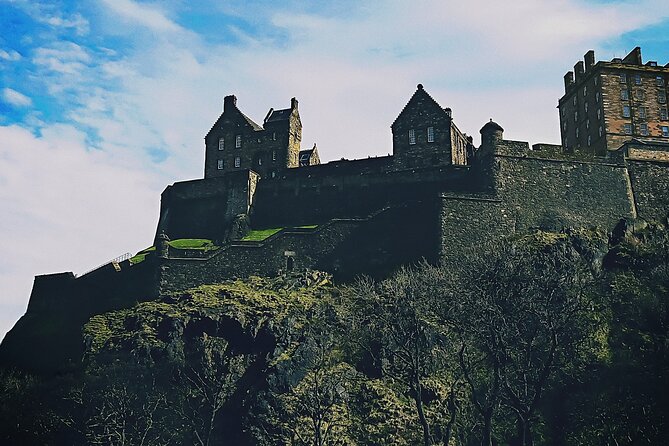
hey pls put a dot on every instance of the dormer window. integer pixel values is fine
(430, 134)
(238, 162)
(412, 136)
(221, 144)
(238, 141)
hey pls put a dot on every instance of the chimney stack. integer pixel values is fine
(229, 102)
(568, 81)
(589, 60)
(578, 70)
(293, 104)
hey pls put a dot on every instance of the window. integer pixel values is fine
(412, 136)
(574, 101)
(586, 107)
(589, 140)
(575, 116)
(601, 131)
(273, 174)
(665, 130)
(643, 129)
(623, 78)
(220, 165)
(238, 141)
(273, 136)
(596, 81)
(638, 95)
(587, 124)
(627, 129)
(626, 111)
(273, 155)
(576, 133)
(585, 90)
(637, 79)
(659, 81)
(597, 97)
(259, 160)
(663, 113)
(599, 113)
(624, 94)
(221, 144)
(661, 97)
(238, 162)
(430, 134)
(642, 112)
(564, 126)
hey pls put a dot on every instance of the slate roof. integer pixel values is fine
(419, 91)
(251, 122)
(279, 115)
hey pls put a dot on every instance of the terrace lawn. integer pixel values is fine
(192, 243)
(260, 234)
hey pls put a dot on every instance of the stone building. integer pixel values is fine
(608, 103)
(437, 197)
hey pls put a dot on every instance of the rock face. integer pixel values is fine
(244, 342)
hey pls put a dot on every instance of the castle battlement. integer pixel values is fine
(437, 197)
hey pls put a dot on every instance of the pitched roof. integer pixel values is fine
(278, 115)
(420, 91)
(251, 122)
(305, 156)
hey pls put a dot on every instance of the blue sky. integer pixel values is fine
(105, 102)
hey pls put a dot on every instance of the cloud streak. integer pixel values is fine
(15, 98)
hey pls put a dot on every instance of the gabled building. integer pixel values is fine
(236, 142)
(424, 134)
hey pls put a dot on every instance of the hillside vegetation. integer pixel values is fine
(549, 338)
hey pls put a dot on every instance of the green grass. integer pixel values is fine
(308, 227)
(192, 243)
(260, 234)
(141, 255)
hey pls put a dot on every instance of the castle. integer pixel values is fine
(270, 207)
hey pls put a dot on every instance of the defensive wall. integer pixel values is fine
(48, 336)
(365, 217)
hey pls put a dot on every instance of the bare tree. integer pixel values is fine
(405, 335)
(524, 312)
(206, 383)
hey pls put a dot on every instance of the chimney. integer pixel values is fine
(589, 60)
(229, 102)
(293, 104)
(568, 81)
(578, 70)
(448, 111)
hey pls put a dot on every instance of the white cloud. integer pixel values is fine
(145, 15)
(48, 14)
(10, 55)
(62, 57)
(15, 98)
(67, 207)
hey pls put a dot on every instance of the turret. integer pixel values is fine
(491, 134)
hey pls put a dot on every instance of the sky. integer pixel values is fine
(104, 103)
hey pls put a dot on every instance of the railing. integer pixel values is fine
(118, 259)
